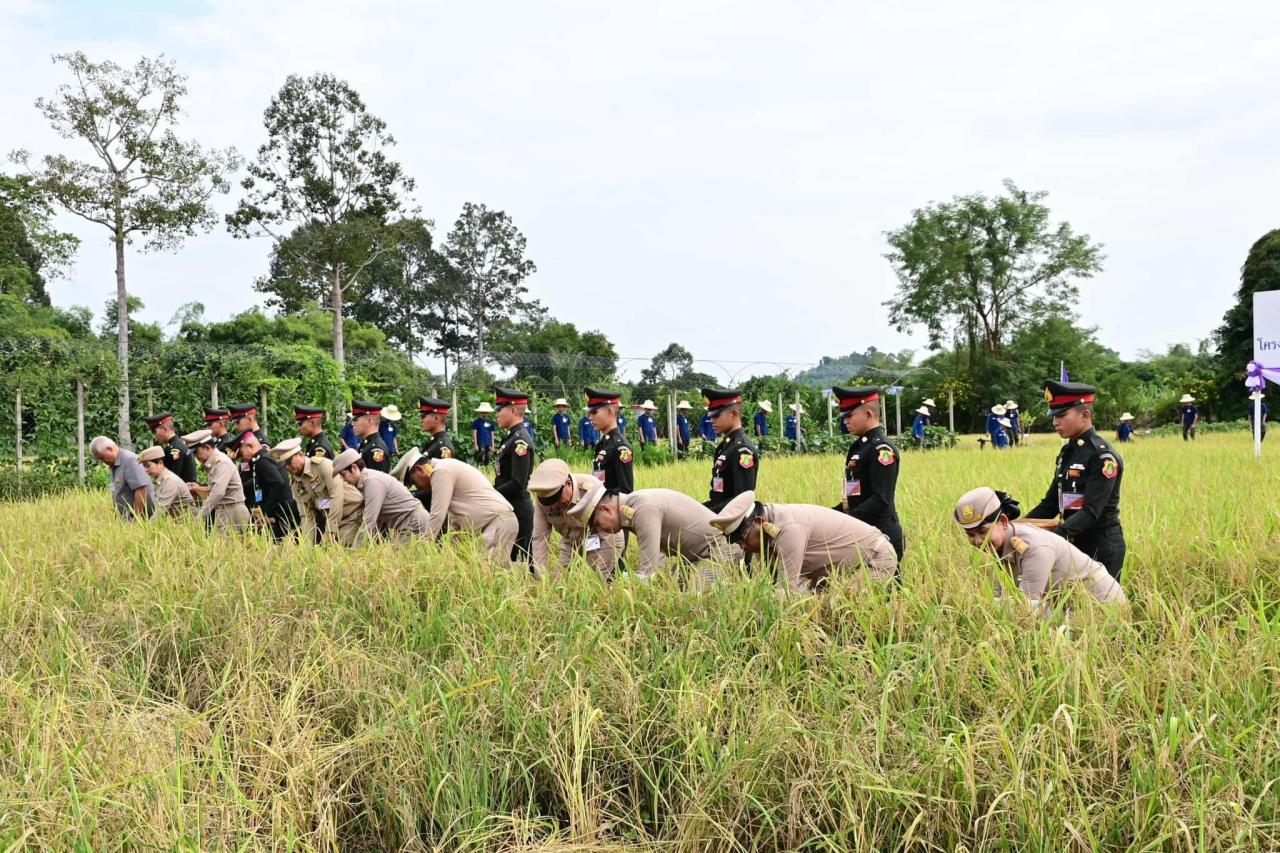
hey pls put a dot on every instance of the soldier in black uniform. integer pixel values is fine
(271, 491)
(176, 456)
(515, 463)
(366, 417)
(870, 466)
(311, 427)
(613, 460)
(737, 462)
(215, 419)
(245, 416)
(1085, 490)
(435, 415)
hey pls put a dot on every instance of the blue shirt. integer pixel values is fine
(622, 423)
(349, 437)
(762, 424)
(1264, 412)
(1189, 415)
(586, 431)
(1013, 419)
(1125, 430)
(789, 430)
(560, 423)
(682, 424)
(483, 427)
(528, 427)
(705, 429)
(917, 426)
(387, 430)
(844, 427)
(648, 427)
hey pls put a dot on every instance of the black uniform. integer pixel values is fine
(613, 462)
(375, 453)
(870, 483)
(320, 446)
(231, 444)
(439, 446)
(734, 470)
(179, 460)
(515, 464)
(1086, 492)
(273, 495)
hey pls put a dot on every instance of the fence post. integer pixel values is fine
(151, 402)
(951, 410)
(262, 408)
(799, 431)
(80, 427)
(897, 408)
(213, 393)
(454, 409)
(673, 432)
(17, 419)
(831, 426)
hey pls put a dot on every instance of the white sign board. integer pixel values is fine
(1266, 332)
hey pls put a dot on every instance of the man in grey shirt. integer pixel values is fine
(130, 485)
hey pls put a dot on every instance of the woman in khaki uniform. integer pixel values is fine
(809, 542)
(317, 492)
(464, 497)
(1042, 563)
(223, 505)
(170, 494)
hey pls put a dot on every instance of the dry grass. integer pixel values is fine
(162, 689)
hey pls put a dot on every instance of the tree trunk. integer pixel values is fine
(122, 339)
(335, 301)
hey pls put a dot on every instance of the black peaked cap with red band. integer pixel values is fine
(214, 414)
(1061, 396)
(306, 413)
(160, 419)
(852, 398)
(597, 398)
(364, 407)
(433, 406)
(509, 397)
(242, 410)
(719, 399)
(233, 443)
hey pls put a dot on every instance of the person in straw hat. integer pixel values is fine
(761, 422)
(918, 424)
(666, 524)
(1085, 492)
(316, 491)
(561, 425)
(389, 428)
(999, 439)
(482, 429)
(790, 427)
(646, 425)
(1015, 421)
(1189, 416)
(808, 543)
(388, 509)
(555, 490)
(1043, 564)
(587, 435)
(1124, 432)
(224, 505)
(684, 430)
(170, 494)
(463, 497)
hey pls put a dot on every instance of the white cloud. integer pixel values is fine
(720, 174)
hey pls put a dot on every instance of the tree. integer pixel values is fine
(408, 288)
(976, 268)
(553, 355)
(32, 250)
(488, 250)
(1234, 338)
(672, 369)
(143, 180)
(323, 170)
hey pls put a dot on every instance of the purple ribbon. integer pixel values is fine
(1253, 378)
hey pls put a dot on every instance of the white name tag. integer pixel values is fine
(592, 544)
(717, 484)
(852, 488)
(1068, 501)
(324, 503)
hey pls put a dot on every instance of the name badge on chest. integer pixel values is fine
(257, 495)
(592, 543)
(324, 503)
(717, 484)
(600, 476)
(1070, 501)
(852, 488)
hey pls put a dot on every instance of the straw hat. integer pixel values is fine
(923, 411)
(1010, 405)
(560, 401)
(1126, 417)
(798, 408)
(929, 402)
(684, 405)
(391, 413)
(1187, 398)
(1005, 422)
(997, 409)
(648, 404)
(766, 406)
(484, 408)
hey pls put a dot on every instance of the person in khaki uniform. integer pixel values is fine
(556, 489)
(1041, 562)
(389, 509)
(464, 497)
(665, 524)
(810, 543)
(170, 494)
(223, 505)
(316, 491)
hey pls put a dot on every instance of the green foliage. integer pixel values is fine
(1234, 338)
(976, 269)
(32, 250)
(549, 355)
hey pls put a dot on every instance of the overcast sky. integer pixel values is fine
(721, 173)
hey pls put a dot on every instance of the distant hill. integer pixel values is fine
(834, 370)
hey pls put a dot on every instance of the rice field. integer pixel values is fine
(161, 689)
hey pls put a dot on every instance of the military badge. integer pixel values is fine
(378, 455)
(175, 453)
(446, 453)
(886, 456)
(625, 455)
(521, 448)
(746, 460)
(1110, 468)
(967, 513)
